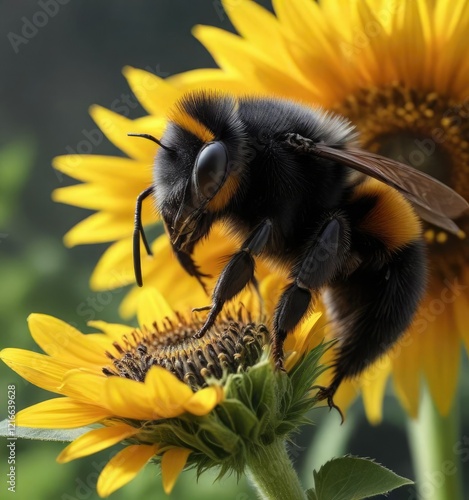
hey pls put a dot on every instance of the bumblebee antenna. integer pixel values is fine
(138, 231)
(154, 139)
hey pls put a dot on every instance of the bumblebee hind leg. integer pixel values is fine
(373, 307)
(322, 259)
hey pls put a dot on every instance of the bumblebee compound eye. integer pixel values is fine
(210, 170)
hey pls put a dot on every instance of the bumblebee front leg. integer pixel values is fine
(191, 268)
(323, 258)
(237, 273)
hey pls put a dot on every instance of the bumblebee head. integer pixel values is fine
(199, 170)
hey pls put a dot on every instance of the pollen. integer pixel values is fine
(442, 237)
(232, 345)
(429, 235)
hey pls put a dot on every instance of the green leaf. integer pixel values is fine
(353, 478)
(63, 435)
(311, 494)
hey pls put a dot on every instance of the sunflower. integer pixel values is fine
(398, 70)
(172, 399)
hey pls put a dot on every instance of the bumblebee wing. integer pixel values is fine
(433, 201)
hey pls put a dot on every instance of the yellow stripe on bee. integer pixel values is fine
(180, 117)
(226, 193)
(392, 220)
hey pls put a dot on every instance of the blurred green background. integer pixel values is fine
(48, 80)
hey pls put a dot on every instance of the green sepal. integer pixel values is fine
(261, 405)
(353, 478)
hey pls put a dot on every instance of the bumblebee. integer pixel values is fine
(289, 180)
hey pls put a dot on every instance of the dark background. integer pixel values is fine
(46, 86)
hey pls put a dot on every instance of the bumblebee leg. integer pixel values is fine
(237, 273)
(328, 394)
(323, 258)
(191, 267)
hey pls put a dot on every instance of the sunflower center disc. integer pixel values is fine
(428, 132)
(230, 345)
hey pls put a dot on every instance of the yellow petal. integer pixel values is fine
(162, 395)
(153, 308)
(113, 330)
(406, 359)
(117, 198)
(204, 400)
(155, 94)
(84, 386)
(346, 394)
(442, 356)
(61, 413)
(311, 39)
(408, 31)
(38, 369)
(271, 287)
(210, 79)
(167, 392)
(105, 169)
(129, 399)
(298, 340)
(447, 19)
(95, 441)
(304, 20)
(172, 464)
(373, 386)
(115, 267)
(61, 340)
(154, 124)
(237, 57)
(100, 227)
(116, 127)
(246, 17)
(123, 467)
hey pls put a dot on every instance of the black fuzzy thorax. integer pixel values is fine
(292, 189)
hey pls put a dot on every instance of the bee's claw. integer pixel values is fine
(215, 310)
(279, 366)
(200, 309)
(327, 393)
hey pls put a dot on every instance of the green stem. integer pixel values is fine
(436, 456)
(272, 473)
